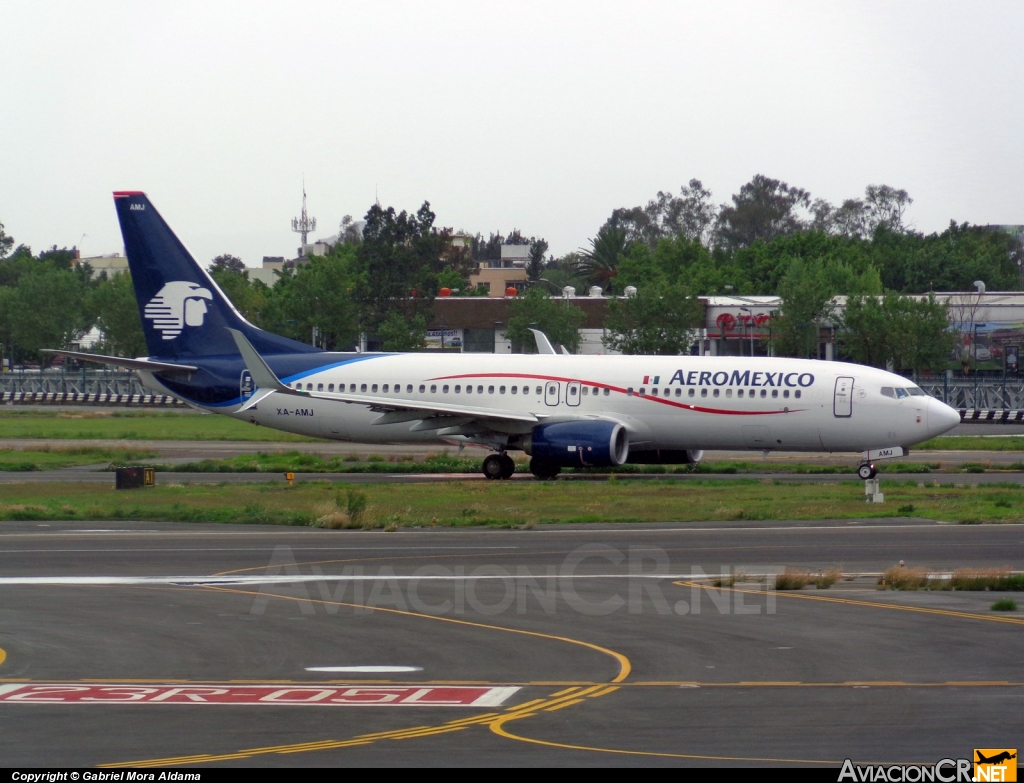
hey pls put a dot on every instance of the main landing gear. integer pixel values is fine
(544, 469)
(866, 471)
(499, 466)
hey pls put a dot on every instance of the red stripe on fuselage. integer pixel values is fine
(661, 400)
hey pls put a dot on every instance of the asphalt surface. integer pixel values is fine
(583, 646)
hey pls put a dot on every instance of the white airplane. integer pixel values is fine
(561, 410)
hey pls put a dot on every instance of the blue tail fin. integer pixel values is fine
(184, 313)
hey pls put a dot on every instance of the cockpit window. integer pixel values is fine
(916, 391)
(901, 393)
(888, 391)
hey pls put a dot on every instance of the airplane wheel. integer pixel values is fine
(492, 467)
(543, 469)
(508, 466)
(866, 471)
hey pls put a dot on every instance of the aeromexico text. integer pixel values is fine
(737, 378)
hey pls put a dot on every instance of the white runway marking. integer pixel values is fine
(365, 669)
(274, 579)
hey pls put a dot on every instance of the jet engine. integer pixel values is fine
(585, 443)
(665, 457)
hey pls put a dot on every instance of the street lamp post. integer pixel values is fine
(750, 326)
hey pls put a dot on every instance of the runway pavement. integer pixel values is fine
(192, 645)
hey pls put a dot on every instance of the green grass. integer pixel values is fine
(505, 504)
(973, 443)
(55, 458)
(971, 579)
(1004, 605)
(134, 425)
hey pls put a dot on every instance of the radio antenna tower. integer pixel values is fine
(303, 225)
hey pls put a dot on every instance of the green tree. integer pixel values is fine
(558, 319)
(807, 291)
(116, 312)
(316, 295)
(396, 265)
(228, 263)
(248, 296)
(6, 243)
(600, 264)
(897, 332)
(48, 308)
(763, 209)
(658, 320)
(398, 334)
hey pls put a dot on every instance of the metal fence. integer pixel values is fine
(1004, 394)
(80, 382)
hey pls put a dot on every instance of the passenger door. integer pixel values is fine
(842, 404)
(552, 392)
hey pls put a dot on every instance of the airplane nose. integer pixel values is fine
(941, 418)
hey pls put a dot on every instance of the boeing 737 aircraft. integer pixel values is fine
(561, 410)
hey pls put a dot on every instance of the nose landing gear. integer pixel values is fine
(499, 466)
(866, 471)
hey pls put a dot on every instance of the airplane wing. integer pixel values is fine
(446, 418)
(117, 361)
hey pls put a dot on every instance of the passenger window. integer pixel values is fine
(362, 387)
(739, 393)
(423, 388)
(469, 389)
(679, 392)
(352, 388)
(513, 390)
(444, 389)
(728, 392)
(458, 388)
(775, 392)
(586, 391)
(330, 387)
(319, 387)
(385, 389)
(309, 387)
(373, 388)
(607, 392)
(480, 389)
(643, 391)
(785, 393)
(433, 388)
(629, 392)
(901, 393)
(764, 393)
(715, 394)
(703, 392)
(797, 394)
(539, 391)
(501, 390)
(572, 391)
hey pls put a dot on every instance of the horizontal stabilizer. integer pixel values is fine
(117, 361)
(259, 396)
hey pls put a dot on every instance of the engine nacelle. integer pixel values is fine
(587, 443)
(666, 457)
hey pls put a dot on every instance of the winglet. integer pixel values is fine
(543, 343)
(262, 375)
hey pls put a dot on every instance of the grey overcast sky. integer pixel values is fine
(539, 115)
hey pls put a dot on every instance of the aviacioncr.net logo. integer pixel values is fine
(177, 305)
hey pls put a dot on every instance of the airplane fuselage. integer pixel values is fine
(676, 402)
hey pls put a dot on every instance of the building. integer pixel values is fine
(111, 263)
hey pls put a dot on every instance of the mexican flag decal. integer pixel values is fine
(655, 380)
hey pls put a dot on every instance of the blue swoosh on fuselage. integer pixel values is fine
(216, 384)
